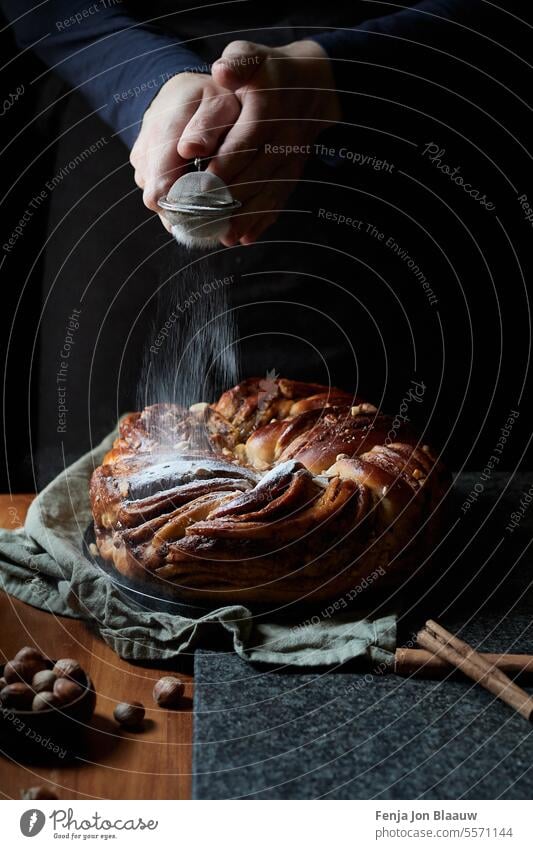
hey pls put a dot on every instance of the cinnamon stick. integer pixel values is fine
(460, 654)
(422, 663)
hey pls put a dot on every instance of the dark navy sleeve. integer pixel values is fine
(418, 37)
(117, 63)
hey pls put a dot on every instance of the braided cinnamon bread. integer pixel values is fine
(279, 491)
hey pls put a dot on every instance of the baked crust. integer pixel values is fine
(280, 491)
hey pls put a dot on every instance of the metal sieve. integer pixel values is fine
(198, 206)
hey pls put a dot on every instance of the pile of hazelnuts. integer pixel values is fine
(32, 682)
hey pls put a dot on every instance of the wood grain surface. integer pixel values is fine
(152, 764)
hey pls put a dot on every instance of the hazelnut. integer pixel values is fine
(3, 683)
(66, 690)
(44, 701)
(68, 668)
(29, 653)
(168, 691)
(39, 792)
(43, 680)
(22, 670)
(129, 715)
(18, 696)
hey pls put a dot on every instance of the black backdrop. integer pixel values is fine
(472, 345)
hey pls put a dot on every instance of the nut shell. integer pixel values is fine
(168, 691)
(43, 680)
(66, 667)
(17, 695)
(66, 690)
(30, 653)
(44, 701)
(129, 715)
(22, 670)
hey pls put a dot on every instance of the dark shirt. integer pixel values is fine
(119, 61)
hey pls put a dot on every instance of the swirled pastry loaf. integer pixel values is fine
(279, 491)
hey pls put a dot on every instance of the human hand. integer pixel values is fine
(187, 118)
(287, 96)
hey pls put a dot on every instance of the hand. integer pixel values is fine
(287, 95)
(187, 118)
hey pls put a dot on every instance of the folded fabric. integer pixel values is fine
(44, 564)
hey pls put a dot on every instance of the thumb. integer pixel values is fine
(216, 113)
(238, 63)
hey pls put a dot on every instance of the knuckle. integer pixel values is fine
(213, 107)
(195, 128)
(241, 46)
(220, 101)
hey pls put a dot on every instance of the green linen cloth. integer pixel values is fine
(43, 564)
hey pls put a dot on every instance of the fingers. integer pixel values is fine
(248, 135)
(269, 159)
(240, 60)
(158, 163)
(155, 155)
(262, 223)
(262, 210)
(252, 219)
(209, 124)
(139, 179)
(163, 168)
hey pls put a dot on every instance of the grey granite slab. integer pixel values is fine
(272, 735)
(343, 733)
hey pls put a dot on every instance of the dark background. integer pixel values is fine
(478, 262)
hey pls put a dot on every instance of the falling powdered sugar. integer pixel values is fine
(193, 355)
